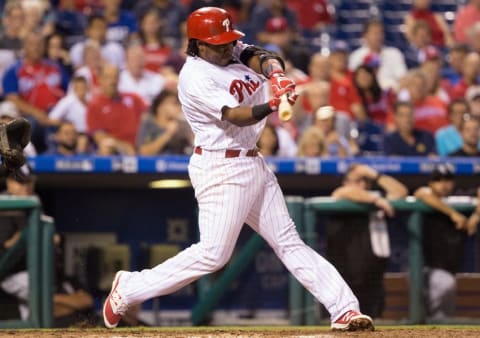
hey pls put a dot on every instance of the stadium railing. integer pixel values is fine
(302, 308)
(36, 242)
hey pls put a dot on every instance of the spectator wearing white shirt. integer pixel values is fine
(112, 52)
(136, 79)
(73, 108)
(392, 62)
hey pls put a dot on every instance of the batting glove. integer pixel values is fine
(273, 103)
(281, 84)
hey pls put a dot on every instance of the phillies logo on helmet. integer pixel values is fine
(226, 24)
(239, 87)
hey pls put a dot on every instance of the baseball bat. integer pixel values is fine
(284, 109)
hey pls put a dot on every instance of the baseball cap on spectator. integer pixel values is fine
(324, 113)
(8, 109)
(371, 60)
(473, 93)
(277, 24)
(442, 171)
(429, 53)
(339, 46)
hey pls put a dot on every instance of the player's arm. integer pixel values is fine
(28, 109)
(426, 195)
(245, 115)
(355, 194)
(272, 67)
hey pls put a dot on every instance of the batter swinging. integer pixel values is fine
(223, 89)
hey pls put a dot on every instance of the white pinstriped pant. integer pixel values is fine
(231, 192)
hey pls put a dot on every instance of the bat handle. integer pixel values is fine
(284, 109)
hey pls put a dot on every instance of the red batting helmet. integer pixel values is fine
(212, 25)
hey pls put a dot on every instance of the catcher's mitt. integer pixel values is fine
(14, 136)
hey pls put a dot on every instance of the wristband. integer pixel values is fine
(260, 111)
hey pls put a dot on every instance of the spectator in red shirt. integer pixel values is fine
(113, 118)
(470, 73)
(151, 38)
(441, 35)
(430, 112)
(313, 15)
(431, 65)
(35, 85)
(466, 17)
(343, 95)
(376, 101)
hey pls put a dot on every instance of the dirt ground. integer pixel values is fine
(242, 333)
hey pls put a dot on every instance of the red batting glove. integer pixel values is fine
(274, 102)
(281, 84)
(292, 97)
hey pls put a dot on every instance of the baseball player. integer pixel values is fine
(224, 88)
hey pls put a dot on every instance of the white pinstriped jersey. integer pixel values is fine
(211, 87)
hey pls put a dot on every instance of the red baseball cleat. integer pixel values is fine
(353, 321)
(114, 307)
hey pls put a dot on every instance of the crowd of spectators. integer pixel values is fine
(100, 76)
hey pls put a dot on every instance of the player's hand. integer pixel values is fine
(274, 102)
(385, 205)
(282, 85)
(364, 170)
(172, 127)
(458, 219)
(472, 223)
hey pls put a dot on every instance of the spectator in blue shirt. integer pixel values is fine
(122, 25)
(406, 140)
(448, 139)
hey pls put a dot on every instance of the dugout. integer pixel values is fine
(110, 200)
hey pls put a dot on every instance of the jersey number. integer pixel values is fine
(226, 23)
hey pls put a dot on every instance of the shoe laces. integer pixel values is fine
(119, 305)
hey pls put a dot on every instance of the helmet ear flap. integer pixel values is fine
(212, 25)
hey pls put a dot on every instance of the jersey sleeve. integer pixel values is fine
(206, 96)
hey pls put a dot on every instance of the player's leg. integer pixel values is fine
(223, 201)
(270, 218)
